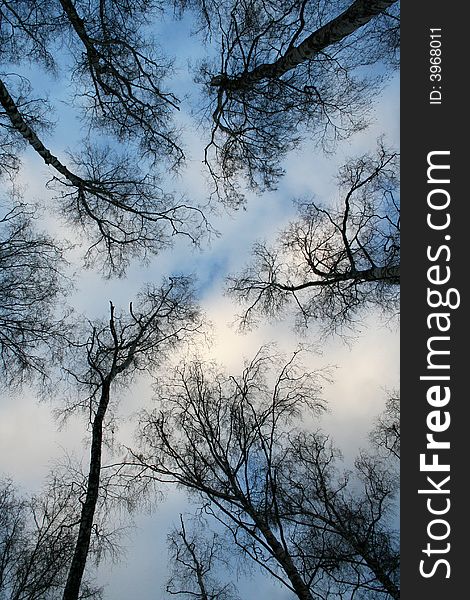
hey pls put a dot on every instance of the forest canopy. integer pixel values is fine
(161, 163)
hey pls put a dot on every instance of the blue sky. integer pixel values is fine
(30, 439)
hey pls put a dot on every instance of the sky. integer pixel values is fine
(31, 440)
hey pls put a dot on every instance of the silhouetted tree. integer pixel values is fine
(334, 262)
(235, 442)
(118, 72)
(36, 542)
(31, 284)
(194, 559)
(115, 198)
(112, 355)
(342, 519)
(287, 67)
(386, 433)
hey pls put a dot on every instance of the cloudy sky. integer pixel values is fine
(30, 440)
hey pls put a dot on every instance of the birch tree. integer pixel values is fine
(117, 72)
(113, 354)
(344, 519)
(235, 442)
(289, 70)
(218, 436)
(36, 542)
(114, 197)
(336, 260)
(32, 284)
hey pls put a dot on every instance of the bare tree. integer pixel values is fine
(118, 72)
(334, 262)
(194, 558)
(219, 436)
(343, 519)
(112, 355)
(386, 433)
(31, 284)
(235, 442)
(114, 198)
(287, 67)
(36, 542)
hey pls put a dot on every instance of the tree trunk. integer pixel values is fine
(285, 561)
(384, 579)
(390, 274)
(77, 566)
(353, 18)
(375, 566)
(30, 136)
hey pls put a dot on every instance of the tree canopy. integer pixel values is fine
(32, 283)
(235, 442)
(99, 146)
(114, 197)
(36, 542)
(337, 259)
(288, 71)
